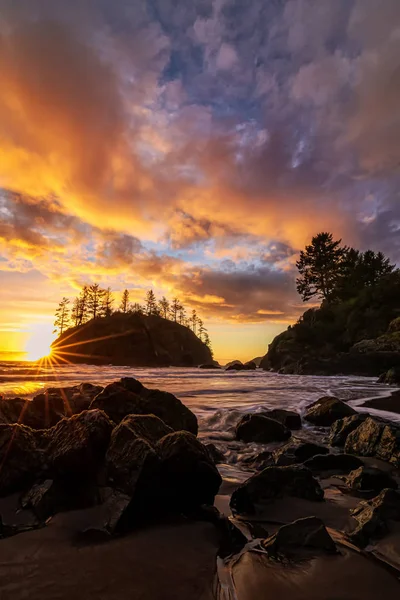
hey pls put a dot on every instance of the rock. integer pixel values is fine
(389, 445)
(249, 366)
(369, 479)
(215, 453)
(374, 517)
(273, 483)
(181, 478)
(391, 377)
(297, 452)
(327, 410)
(119, 400)
(12, 410)
(132, 441)
(236, 366)
(78, 445)
(341, 428)
(43, 499)
(340, 463)
(306, 536)
(209, 366)
(288, 418)
(365, 438)
(257, 428)
(21, 457)
(259, 460)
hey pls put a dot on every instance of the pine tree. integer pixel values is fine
(182, 315)
(193, 320)
(95, 299)
(175, 308)
(124, 306)
(83, 305)
(164, 307)
(107, 303)
(201, 329)
(62, 317)
(151, 303)
(137, 308)
(76, 312)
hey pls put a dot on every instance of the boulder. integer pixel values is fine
(129, 396)
(216, 454)
(297, 452)
(258, 428)
(304, 537)
(369, 479)
(374, 517)
(12, 410)
(365, 438)
(249, 366)
(389, 445)
(235, 366)
(391, 377)
(288, 418)
(273, 483)
(78, 444)
(132, 442)
(21, 460)
(327, 410)
(339, 463)
(259, 460)
(341, 428)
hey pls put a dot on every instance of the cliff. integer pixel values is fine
(132, 339)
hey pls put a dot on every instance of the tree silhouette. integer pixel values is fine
(201, 329)
(107, 302)
(94, 301)
(124, 306)
(76, 312)
(320, 267)
(175, 308)
(164, 307)
(62, 316)
(151, 303)
(193, 320)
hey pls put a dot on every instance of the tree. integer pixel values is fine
(182, 315)
(107, 302)
(193, 320)
(151, 303)
(94, 301)
(62, 316)
(320, 267)
(138, 308)
(207, 342)
(175, 308)
(164, 307)
(124, 306)
(201, 329)
(83, 305)
(75, 312)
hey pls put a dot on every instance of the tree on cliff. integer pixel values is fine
(124, 306)
(175, 308)
(62, 316)
(164, 307)
(94, 301)
(320, 267)
(108, 301)
(151, 303)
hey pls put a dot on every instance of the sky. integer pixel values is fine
(193, 147)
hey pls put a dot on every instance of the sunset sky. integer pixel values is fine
(191, 146)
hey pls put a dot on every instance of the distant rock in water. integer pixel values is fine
(132, 339)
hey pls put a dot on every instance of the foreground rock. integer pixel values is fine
(374, 517)
(288, 418)
(258, 428)
(128, 396)
(375, 438)
(21, 455)
(341, 428)
(272, 483)
(368, 479)
(327, 410)
(337, 463)
(303, 538)
(297, 452)
(391, 377)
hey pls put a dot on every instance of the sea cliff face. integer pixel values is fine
(136, 340)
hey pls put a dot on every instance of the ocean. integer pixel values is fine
(217, 397)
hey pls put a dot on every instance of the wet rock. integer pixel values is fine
(389, 445)
(43, 499)
(340, 429)
(12, 410)
(22, 459)
(304, 537)
(365, 438)
(78, 445)
(273, 483)
(374, 517)
(249, 366)
(261, 429)
(391, 377)
(216, 453)
(369, 479)
(132, 441)
(327, 410)
(259, 460)
(338, 463)
(235, 366)
(288, 418)
(297, 452)
(209, 366)
(113, 517)
(119, 400)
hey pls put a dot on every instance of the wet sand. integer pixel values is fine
(389, 404)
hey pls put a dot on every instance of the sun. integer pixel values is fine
(39, 342)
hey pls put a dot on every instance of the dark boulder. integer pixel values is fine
(235, 365)
(209, 366)
(288, 418)
(369, 479)
(303, 538)
(340, 429)
(258, 428)
(259, 460)
(327, 410)
(391, 377)
(117, 402)
(78, 445)
(170, 410)
(215, 453)
(272, 483)
(365, 438)
(374, 516)
(389, 445)
(339, 463)
(132, 442)
(22, 458)
(12, 410)
(249, 366)
(297, 452)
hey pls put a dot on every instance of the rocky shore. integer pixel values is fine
(108, 492)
